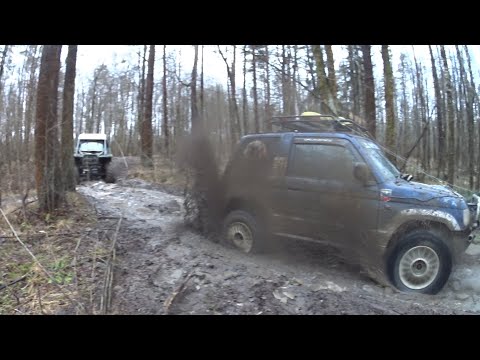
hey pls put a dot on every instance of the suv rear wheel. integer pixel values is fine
(243, 231)
(420, 262)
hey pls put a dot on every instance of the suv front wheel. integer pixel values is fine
(243, 231)
(420, 262)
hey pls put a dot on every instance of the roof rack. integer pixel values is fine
(317, 123)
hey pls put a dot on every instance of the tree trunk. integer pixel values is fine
(67, 119)
(202, 91)
(370, 112)
(313, 78)
(450, 119)
(423, 112)
(354, 78)
(332, 78)
(233, 106)
(463, 86)
(166, 132)
(146, 133)
(389, 101)
(438, 105)
(244, 93)
(470, 122)
(197, 125)
(47, 175)
(141, 94)
(255, 94)
(328, 102)
(268, 110)
(90, 123)
(30, 111)
(2, 65)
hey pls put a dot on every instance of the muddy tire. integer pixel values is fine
(244, 232)
(110, 177)
(421, 262)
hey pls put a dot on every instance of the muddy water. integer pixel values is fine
(165, 268)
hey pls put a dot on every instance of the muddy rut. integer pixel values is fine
(163, 268)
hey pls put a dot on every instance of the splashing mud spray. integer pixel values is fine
(204, 192)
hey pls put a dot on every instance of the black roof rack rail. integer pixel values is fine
(317, 123)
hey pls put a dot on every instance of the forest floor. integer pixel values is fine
(161, 267)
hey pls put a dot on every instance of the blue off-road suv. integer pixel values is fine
(323, 179)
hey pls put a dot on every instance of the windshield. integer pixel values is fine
(382, 165)
(95, 146)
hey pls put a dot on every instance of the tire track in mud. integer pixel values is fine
(156, 253)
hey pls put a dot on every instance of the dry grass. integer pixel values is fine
(164, 172)
(63, 245)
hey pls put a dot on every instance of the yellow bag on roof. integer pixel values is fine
(310, 113)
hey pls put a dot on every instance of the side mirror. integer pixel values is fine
(361, 172)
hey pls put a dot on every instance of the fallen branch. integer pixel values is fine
(384, 310)
(78, 304)
(107, 291)
(39, 295)
(92, 275)
(177, 291)
(424, 131)
(24, 204)
(70, 234)
(75, 260)
(12, 282)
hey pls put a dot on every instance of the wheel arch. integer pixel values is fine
(438, 228)
(246, 204)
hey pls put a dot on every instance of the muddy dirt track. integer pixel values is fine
(163, 268)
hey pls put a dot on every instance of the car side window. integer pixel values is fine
(323, 162)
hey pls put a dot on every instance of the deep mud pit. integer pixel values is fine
(162, 267)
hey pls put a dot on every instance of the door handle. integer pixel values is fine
(293, 188)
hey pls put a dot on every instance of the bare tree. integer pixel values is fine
(331, 69)
(234, 113)
(370, 111)
(90, 123)
(67, 118)
(166, 132)
(146, 133)
(423, 113)
(141, 90)
(440, 121)
(450, 119)
(196, 121)
(48, 182)
(202, 88)
(268, 105)
(470, 100)
(255, 93)
(2, 65)
(328, 100)
(30, 101)
(389, 100)
(244, 93)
